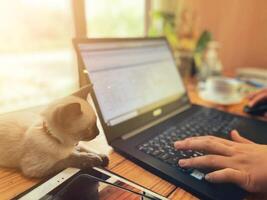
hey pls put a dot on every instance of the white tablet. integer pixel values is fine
(93, 184)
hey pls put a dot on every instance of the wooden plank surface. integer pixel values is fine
(12, 182)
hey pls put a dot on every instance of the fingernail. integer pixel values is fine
(208, 178)
(182, 163)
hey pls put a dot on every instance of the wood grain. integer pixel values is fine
(13, 183)
(180, 194)
(115, 159)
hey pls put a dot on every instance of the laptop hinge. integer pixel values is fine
(141, 129)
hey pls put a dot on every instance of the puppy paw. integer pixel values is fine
(105, 160)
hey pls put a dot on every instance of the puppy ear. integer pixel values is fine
(83, 92)
(68, 112)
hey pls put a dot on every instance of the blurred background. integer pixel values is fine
(38, 63)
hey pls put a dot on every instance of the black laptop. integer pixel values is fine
(144, 108)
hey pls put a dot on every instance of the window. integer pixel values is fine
(115, 18)
(37, 62)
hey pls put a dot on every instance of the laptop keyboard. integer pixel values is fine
(200, 124)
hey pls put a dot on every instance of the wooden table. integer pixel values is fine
(12, 182)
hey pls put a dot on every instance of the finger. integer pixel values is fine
(228, 175)
(257, 99)
(205, 144)
(238, 138)
(208, 161)
(215, 139)
(254, 94)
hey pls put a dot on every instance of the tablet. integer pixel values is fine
(91, 184)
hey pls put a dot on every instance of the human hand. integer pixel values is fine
(258, 97)
(240, 161)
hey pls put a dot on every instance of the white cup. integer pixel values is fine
(222, 86)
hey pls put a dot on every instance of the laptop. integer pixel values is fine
(144, 108)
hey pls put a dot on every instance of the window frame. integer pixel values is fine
(80, 28)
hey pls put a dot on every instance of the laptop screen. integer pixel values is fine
(131, 77)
